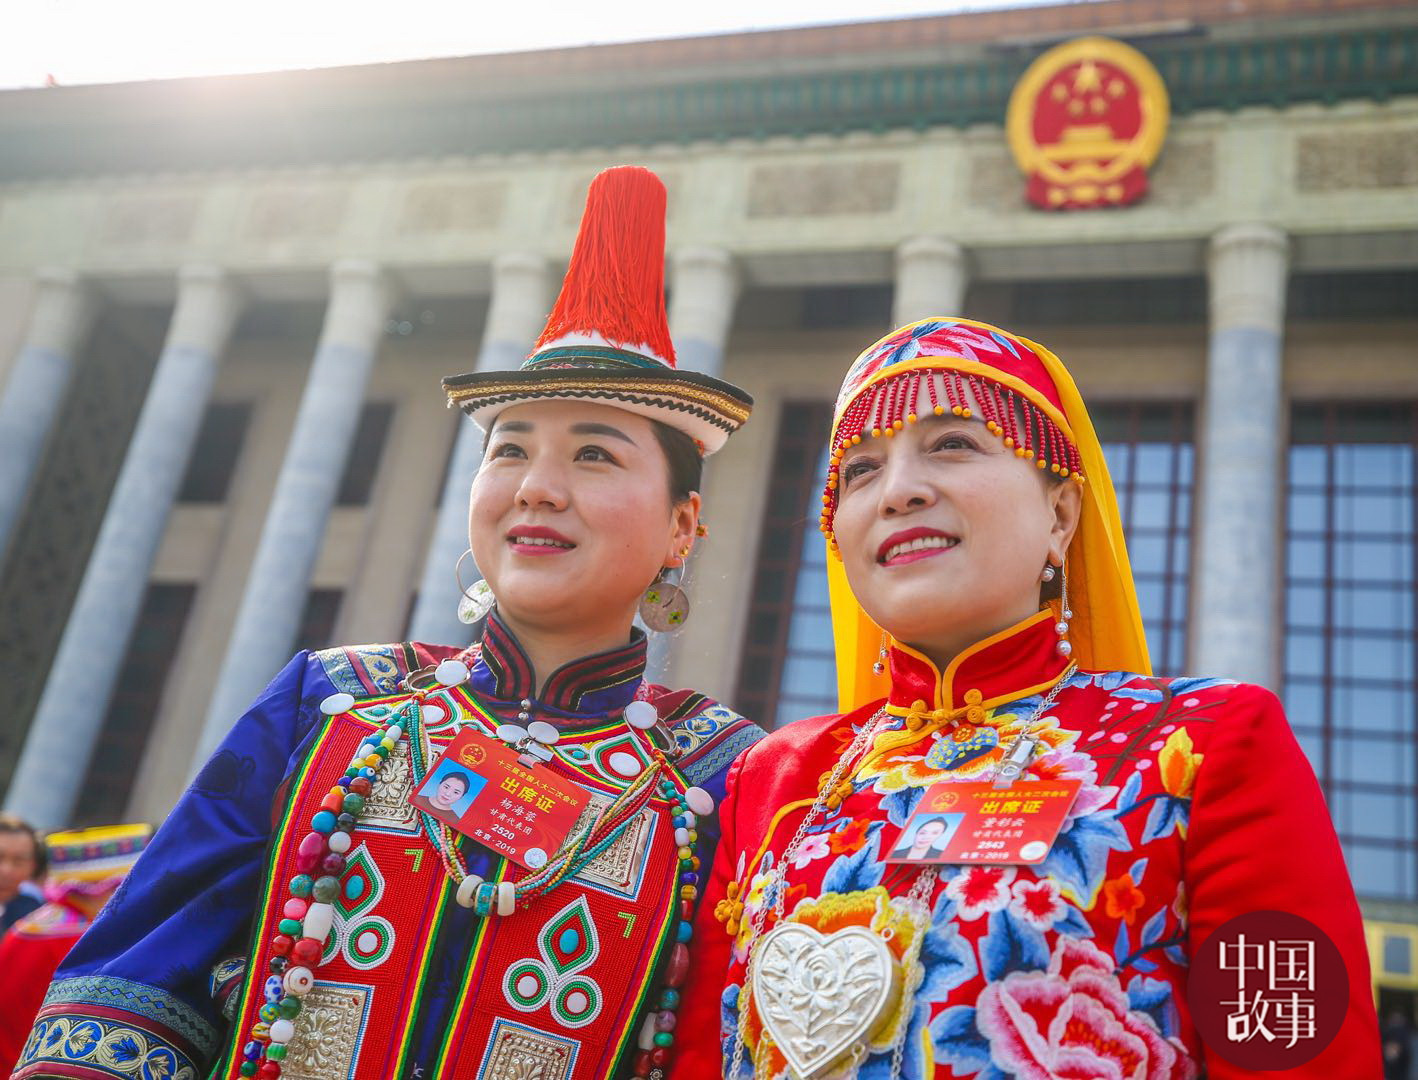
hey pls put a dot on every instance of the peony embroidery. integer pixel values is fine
(1074, 1019)
(979, 890)
(1037, 903)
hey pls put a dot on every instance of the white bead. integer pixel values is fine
(682, 837)
(336, 704)
(543, 732)
(641, 715)
(625, 764)
(451, 673)
(432, 714)
(1064, 648)
(689, 819)
(394, 732)
(318, 920)
(511, 734)
(647, 1033)
(282, 1031)
(299, 981)
(535, 857)
(700, 801)
(466, 888)
(506, 898)
(339, 842)
(1061, 627)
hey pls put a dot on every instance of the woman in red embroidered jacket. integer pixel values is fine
(987, 629)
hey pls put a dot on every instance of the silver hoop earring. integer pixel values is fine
(476, 601)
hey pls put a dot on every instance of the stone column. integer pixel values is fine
(704, 286)
(931, 276)
(61, 738)
(269, 616)
(63, 311)
(521, 288)
(1235, 598)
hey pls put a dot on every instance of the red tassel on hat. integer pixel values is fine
(615, 282)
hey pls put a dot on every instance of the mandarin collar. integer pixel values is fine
(1014, 663)
(595, 685)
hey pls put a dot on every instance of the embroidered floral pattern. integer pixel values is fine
(1070, 967)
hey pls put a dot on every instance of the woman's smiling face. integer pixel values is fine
(944, 532)
(570, 516)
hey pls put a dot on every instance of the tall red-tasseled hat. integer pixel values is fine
(608, 337)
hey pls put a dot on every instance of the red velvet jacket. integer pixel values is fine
(1197, 805)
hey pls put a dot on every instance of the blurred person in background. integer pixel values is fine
(21, 870)
(86, 866)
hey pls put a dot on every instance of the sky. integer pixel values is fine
(95, 41)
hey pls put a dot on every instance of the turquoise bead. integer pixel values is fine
(669, 999)
(664, 1038)
(289, 926)
(354, 804)
(300, 885)
(684, 931)
(323, 822)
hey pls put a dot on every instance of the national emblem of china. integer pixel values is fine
(1085, 122)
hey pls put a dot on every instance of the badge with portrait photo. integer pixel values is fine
(960, 823)
(480, 788)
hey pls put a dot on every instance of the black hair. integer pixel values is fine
(686, 464)
(9, 823)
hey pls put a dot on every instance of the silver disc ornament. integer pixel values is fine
(664, 607)
(476, 602)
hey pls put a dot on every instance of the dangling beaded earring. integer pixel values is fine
(879, 668)
(1065, 647)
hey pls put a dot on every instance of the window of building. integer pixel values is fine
(317, 619)
(787, 671)
(362, 465)
(1150, 452)
(1350, 615)
(123, 738)
(216, 452)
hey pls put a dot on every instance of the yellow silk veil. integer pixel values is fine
(1106, 629)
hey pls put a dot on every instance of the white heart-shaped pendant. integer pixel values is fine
(822, 997)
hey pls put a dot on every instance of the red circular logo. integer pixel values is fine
(1268, 990)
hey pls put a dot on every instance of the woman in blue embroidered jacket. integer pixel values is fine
(297, 916)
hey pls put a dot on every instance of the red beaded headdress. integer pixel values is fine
(943, 364)
(1026, 398)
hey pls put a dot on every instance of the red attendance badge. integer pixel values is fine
(973, 823)
(1085, 122)
(480, 788)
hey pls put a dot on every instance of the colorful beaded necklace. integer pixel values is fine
(307, 913)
